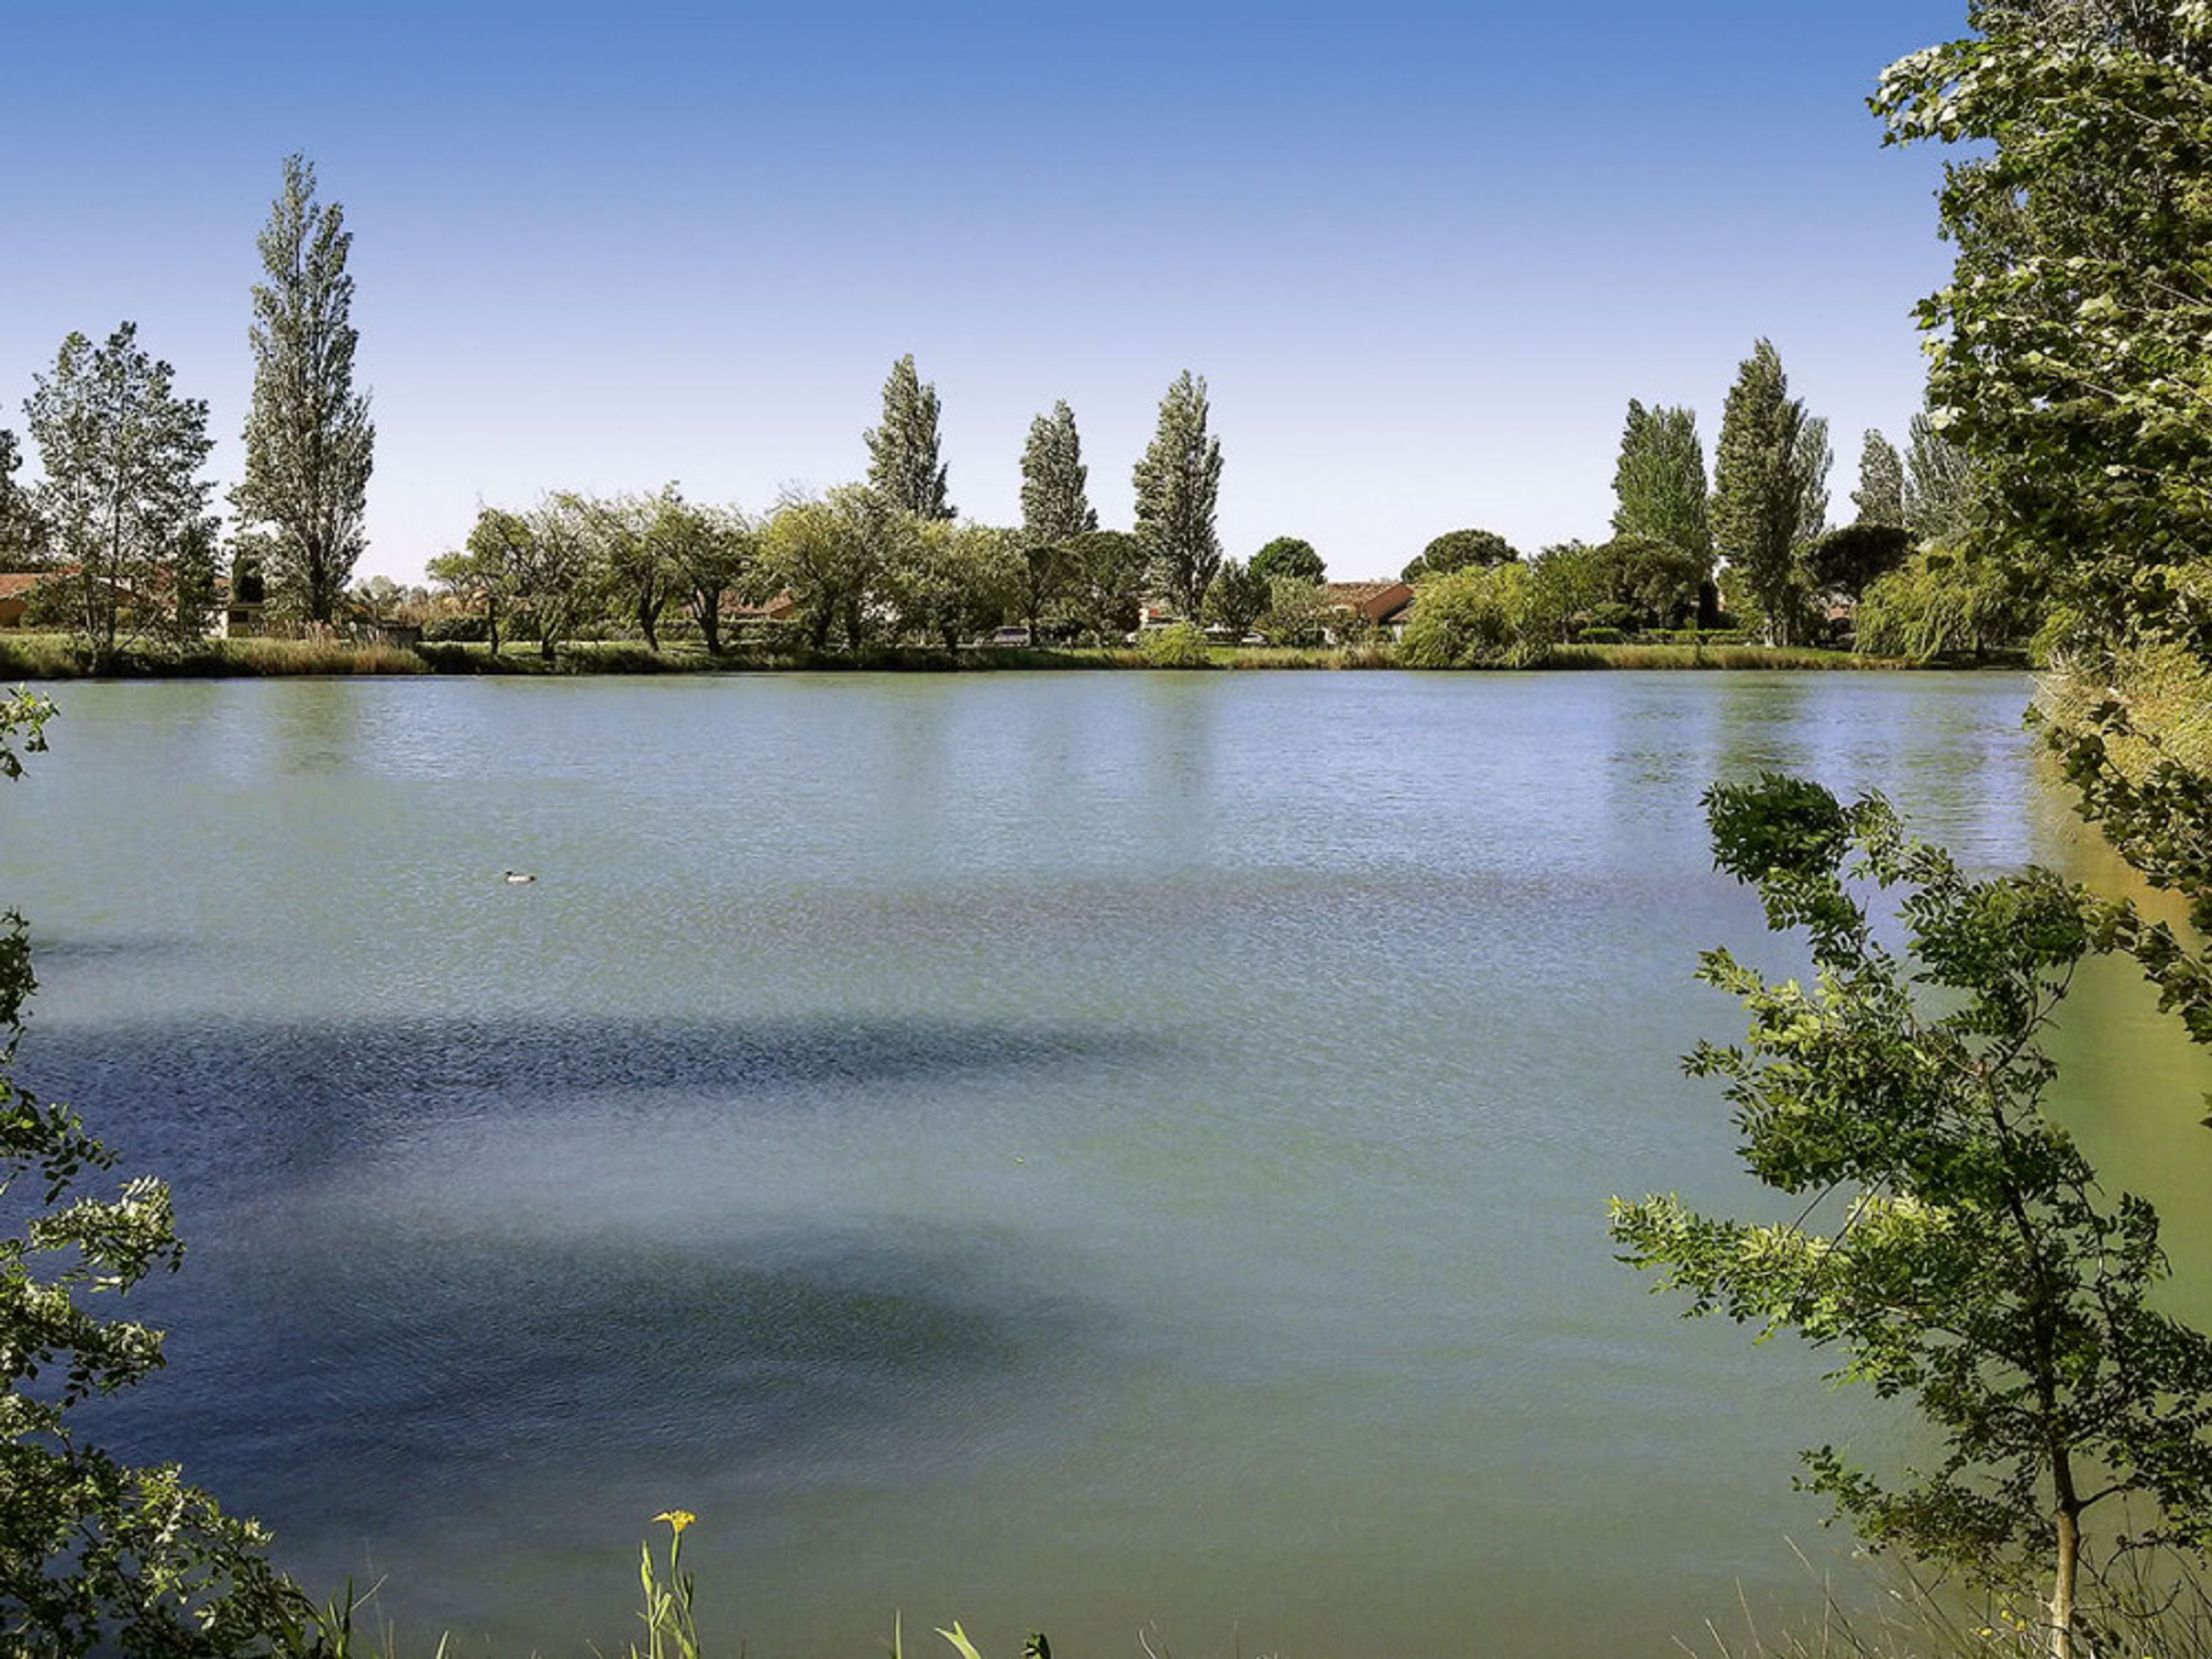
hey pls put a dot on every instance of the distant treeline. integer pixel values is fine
(122, 532)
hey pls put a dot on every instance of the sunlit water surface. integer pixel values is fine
(1091, 1152)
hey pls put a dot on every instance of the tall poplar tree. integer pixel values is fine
(1938, 485)
(1880, 497)
(309, 445)
(1659, 482)
(1178, 482)
(1769, 476)
(1055, 502)
(902, 463)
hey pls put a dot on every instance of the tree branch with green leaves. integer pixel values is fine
(1957, 1250)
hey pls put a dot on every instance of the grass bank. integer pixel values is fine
(44, 656)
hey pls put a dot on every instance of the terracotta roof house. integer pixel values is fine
(15, 587)
(782, 608)
(1383, 605)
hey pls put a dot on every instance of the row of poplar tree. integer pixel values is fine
(122, 510)
(885, 559)
(1762, 524)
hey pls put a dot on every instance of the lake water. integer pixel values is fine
(1091, 1152)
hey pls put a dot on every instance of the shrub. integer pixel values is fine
(1601, 636)
(1181, 645)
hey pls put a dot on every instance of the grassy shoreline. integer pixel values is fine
(61, 657)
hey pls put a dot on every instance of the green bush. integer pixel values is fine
(1181, 645)
(1601, 636)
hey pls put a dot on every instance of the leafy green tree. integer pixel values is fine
(1659, 481)
(1041, 584)
(1880, 497)
(831, 552)
(1178, 481)
(1950, 1241)
(2070, 344)
(123, 495)
(1288, 556)
(709, 553)
(2067, 405)
(1105, 582)
(96, 1554)
(309, 445)
(1461, 549)
(949, 581)
(476, 573)
(554, 574)
(1237, 600)
(1632, 582)
(1056, 502)
(189, 593)
(1769, 477)
(1844, 562)
(1297, 611)
(902, 463)
(632, 564)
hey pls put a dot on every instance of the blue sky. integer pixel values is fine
(1422, 254)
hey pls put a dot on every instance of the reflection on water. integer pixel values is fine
(1063, 1150)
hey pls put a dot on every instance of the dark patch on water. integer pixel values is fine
(231, 1104)
(336, 1387)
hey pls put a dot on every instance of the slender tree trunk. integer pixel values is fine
(706, 606)
(2061, 1590)
(2068, 1506)
(648, 622)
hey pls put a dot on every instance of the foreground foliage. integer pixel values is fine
(95, 1553)
(1953, 1243)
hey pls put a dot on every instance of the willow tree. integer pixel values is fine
(309, 445)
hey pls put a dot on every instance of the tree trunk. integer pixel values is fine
(649, 623)
(2062, 1587)
(707, 605)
